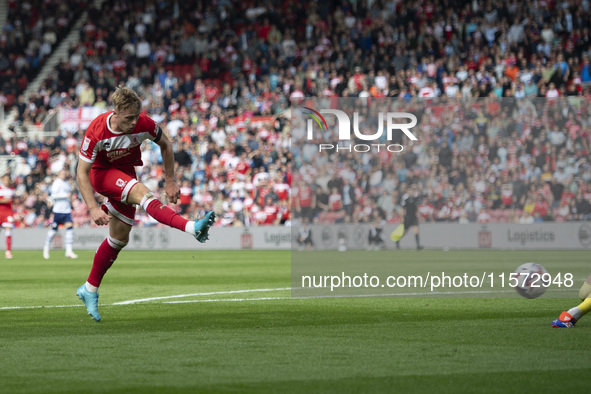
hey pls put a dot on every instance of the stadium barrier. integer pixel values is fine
(159, 238)
(565, 235)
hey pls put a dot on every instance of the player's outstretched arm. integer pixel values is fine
(172, 189)
(83, 180)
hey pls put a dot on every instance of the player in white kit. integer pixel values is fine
(62, 214)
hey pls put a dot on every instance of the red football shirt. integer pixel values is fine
(106, 148)
(6, 208)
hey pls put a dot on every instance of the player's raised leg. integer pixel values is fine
(199, 228)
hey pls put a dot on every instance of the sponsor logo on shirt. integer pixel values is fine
(117, 154)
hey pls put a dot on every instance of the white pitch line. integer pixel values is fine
(262, 298)
(226, 299)
(198, 294)
(130, 302)
(38, 307)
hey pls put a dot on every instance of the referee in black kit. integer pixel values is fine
(410, 203)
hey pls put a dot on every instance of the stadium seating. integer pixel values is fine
(249, 73)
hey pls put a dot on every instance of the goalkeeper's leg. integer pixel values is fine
(585, 289)
(569, 318)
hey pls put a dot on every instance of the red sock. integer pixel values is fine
(164, 214)
(104, 258)
(8, 243)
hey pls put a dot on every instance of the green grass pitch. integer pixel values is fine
(223, 321)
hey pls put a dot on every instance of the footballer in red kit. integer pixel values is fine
(113, 156)
(109, 153)
(6, 212)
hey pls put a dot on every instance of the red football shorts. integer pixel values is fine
(6, 219)
(115, 184)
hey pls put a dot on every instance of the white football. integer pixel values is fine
(531, 281)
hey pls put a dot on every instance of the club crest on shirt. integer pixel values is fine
(121, 183)
(86, 143)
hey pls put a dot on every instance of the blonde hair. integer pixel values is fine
(125, 98)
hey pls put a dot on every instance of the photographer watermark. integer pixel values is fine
(390, 119)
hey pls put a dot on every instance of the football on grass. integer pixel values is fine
(531, 281)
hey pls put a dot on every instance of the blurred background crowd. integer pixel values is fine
(221, 78)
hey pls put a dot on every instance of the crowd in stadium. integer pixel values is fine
(477, 160)
(220, 78)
